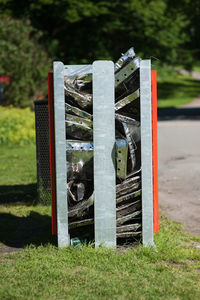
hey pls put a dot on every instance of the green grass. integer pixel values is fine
(18, 165)
(196, 68)
(175, 89)
(42, 271)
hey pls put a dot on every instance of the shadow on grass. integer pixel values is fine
(166, 90)
(18, 193)
(172, 113)
(19, 232)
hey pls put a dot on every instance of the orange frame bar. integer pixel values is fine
(52, 154)
(155, 151)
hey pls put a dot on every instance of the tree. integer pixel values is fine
(81, 31)
(23, 60)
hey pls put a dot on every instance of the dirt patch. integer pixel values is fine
(194, 244)
(7, 250)
(79, 269)
(198, 270)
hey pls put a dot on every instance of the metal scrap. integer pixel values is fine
(79, 149)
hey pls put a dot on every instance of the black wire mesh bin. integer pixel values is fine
(101, 151)
(42, 151)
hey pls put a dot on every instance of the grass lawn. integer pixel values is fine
(18, 165)
(196, 68)
(42, 271)
(175, 89)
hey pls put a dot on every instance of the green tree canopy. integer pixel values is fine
(23, 60)
(81, 31)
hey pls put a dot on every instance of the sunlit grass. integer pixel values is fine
(42, 271)
(18, 165)
(175, 89)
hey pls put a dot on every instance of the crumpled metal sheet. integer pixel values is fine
(130, 54)
(80, 159)
(127, 186)
(127, 100)
(78, 131)
(81, 99)
(77, 112)
(79, 147)
(126, 71)
(83, 82)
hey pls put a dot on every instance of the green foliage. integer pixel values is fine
(23, 60)
(192, 11)
(175, 89)
(196, 67)
(82, 31)
(17, 126)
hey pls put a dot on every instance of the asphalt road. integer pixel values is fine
(179, 164)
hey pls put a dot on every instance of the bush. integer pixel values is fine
(17, 126)
(23, 60)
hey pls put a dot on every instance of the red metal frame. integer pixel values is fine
(155, 151)
(52, 154)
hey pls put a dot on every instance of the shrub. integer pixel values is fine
(17, 126)
(23, 60)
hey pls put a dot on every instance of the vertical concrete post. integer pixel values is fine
(60, 155)
(104, 154)
(146, 152)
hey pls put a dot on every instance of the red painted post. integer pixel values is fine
(155, 151)
(52, 154)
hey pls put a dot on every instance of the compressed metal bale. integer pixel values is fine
(79, 134)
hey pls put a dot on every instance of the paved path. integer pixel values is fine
(195, 75)
(179, 164)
